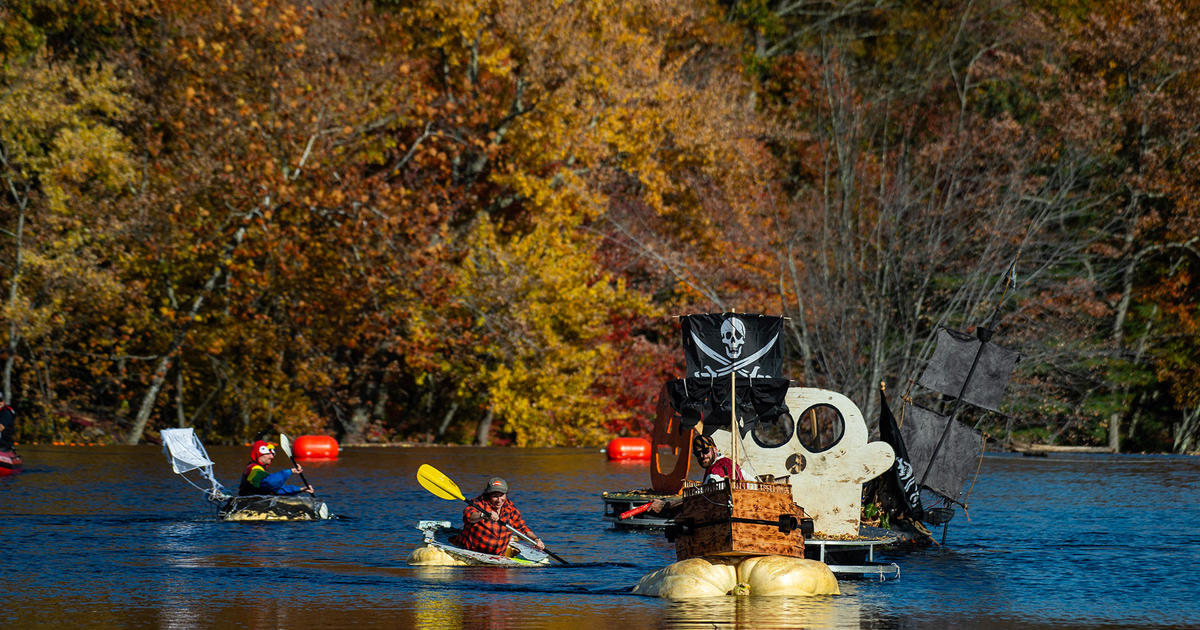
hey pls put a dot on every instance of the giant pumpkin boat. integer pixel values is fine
(814, 442)
(804, 452)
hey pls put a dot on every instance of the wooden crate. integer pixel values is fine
(742, 518)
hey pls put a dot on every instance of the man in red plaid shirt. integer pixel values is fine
(485, 519)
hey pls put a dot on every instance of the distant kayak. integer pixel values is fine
(10, 463)
(435, 552)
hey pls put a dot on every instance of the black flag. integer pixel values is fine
(716, 344)
(902, 470)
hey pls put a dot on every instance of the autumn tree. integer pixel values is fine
(1123, 90)
(63, 163)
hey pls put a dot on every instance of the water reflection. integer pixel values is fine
(763, 612)
(180, 546)
(437, 609)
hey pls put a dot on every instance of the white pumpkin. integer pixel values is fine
(694, 577)
(430, 556)
(781, 575)
(754, 575)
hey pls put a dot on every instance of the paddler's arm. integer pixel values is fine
(524, 529)
(658, 505)
(274, 483)
(473, 514)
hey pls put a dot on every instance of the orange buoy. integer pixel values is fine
(628, 448)
(315, 447)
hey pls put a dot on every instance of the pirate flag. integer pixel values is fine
(902, 481)
(716, 344)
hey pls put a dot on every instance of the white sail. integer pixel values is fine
(186, 453)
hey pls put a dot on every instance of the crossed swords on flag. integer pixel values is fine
(729, 365)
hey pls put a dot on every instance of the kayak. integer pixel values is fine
(273, 508)
(10, 463)
(434, 552)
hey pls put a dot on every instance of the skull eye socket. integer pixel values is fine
(774, 433)
(820, 427)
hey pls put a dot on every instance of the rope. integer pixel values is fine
(978, 466)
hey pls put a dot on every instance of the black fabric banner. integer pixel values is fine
(902, 481)
(707, 399)
(716, 344)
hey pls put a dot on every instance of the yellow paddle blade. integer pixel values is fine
(440, 485)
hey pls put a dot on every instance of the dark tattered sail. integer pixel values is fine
(955, 460)
(952, 361)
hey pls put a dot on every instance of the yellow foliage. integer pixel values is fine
(543, 306)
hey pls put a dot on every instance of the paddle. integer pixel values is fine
(634, 512)
(442, 487)
(286, 445)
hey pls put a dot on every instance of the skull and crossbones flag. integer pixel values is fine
(903, 483)
(716, 344)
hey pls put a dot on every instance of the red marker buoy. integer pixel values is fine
(628, 448)
(315, 447)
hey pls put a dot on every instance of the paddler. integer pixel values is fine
(256, 480)
(7, 423)
(484, 521)
(717, 467)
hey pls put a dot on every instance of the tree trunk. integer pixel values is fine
(484, 430)
(180, 416)
(14, 334)
(446, 420)
(164, 363)
(1185, 435)
(356, 426)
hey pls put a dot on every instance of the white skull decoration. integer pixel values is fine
(733, 335)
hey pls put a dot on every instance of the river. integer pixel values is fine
(109, 537)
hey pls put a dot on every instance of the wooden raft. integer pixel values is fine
(745, 518)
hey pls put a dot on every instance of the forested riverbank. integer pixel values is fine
(459, 221)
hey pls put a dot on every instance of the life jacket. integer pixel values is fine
(245, 488)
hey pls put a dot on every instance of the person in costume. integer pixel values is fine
(485, 519)
(717, 467)
(256, 480)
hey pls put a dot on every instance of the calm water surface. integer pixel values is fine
(108, 537)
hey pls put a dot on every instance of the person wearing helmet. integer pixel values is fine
(716, 468)
(256, 480)
(486, 520)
